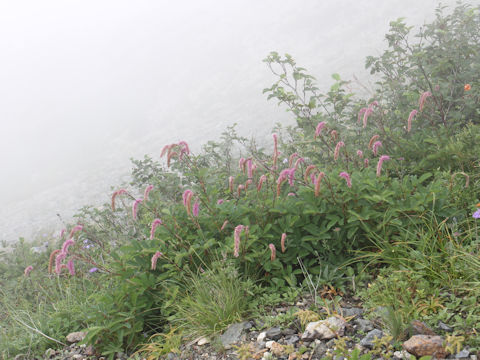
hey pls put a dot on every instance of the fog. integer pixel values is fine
(85, 85)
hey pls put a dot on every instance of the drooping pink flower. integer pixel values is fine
(365, 162)
(248, 183)
(220, 201)
(282, 242)
(185, 149)
(187, 200)
(170, 156)
(337, 150)
(345, 175)
(262, 179)
(409, 121)
(154, 259)
(147, 192)
(240, 188)
(308, 170)
(249, 168)
(115, 194)
(58, 261)
(71, 267)
(312, 178)
(62, 233)
(291, 176)
(374, 103)
(135, 208)
(380, 163)
(360, 154)
(66, 245)
(281, 179)
(367, 113)
(166, 148)
(334, 134)
(360, 114)
(292, 158)
(236, 237)
(155, 224)
(273, 252)
(230, 183)
(275, 150)
(318, 180)
(291, 194)
(372, 140)
(75, 229)
(241, 164)
(318, 129)
(376, 146)
(196, 208)
(225, 223)
(27, 270)
(298, 162)
(423, 98)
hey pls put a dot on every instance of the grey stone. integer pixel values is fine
(444, 327)
(288, 331)
(274, 333)
(367, 341)
(363, 325)
(320, 350)
(462, 354)
(292, 339)
(75, 337)
(232, 335)
(324, 329)
(172, 356)
(248, 325)
(261, 337)
(346, 312)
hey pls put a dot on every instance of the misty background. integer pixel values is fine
(86, 85)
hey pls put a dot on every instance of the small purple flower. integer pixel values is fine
(220, 201)
(476, 214)
(92, 270)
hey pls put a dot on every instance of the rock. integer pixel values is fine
(277, 349)
(363, 325)
(203, 340)
(401, 355)
(267, 355)
(324, 329)
(172, 356)
(444, 327)
(247, 325)
(347, 312)
(464, 354)
(274, 333)
(232, 335)
(269, 344)
(423, 345)
(49, 353)
(420, 328)
(292, 339)
(261, 337)
(77, 357)
(320, 350)
(288, 331)
(75, 337)
(367, 341)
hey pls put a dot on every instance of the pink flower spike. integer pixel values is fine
(58, 262)
(147, 192)
(241, 164)
(220, 201)
(282, 242)
(375, 103)
(27, 270)
(409, 121)
(367, 113)
(196, 208)
(185, 148)
(185, 196)
(360, 114)
(291, 158)
(308, 170)
(360, 154)
(114, 195)
(71, 267)
(298, 162)
(319, 129)
(337, 150)
(273, 252)
(262, 179)
(380, 163)
(230, 183)
(62, 233)
(423, 98)
(250, 168)
(291, 194)
(372, 140)
(225, 223)
(236, 236)
(66, 245)
(345, 175)
(318, 180)
(240, 188)
(155, 223)
(375, 147)
(365, 163)
(291, 176)
(75, 229)
(155, 258)
(135, 208)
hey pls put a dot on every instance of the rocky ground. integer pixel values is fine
(341, 333)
